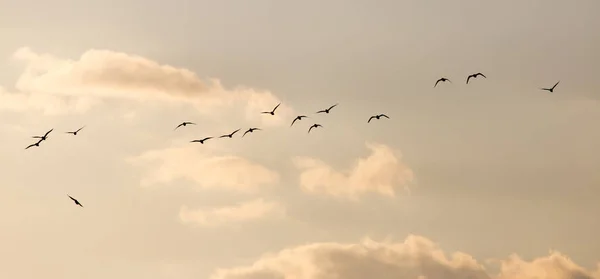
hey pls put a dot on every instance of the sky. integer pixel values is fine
(495, 179)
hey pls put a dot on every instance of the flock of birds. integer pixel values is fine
(271, 112)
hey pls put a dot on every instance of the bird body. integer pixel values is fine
(250, 131)
(552, 88)
(202, 140)
(299, 117)
(377, 117)
(314, 126)
(443, 79)
(273, 111)
(185, 124)
(474, 76)
(327, 110)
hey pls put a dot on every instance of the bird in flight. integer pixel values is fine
(314, 126)
(377, 117)
(250, 131)
(230, 135)
(327, 110)
(75, 132)
(184, 124)
(202, 140)
(75, 201)
(37, 144)
(441, 80)
(474, 76)
(551, 89)
(299, 117)
(273, 111)
(44, 137)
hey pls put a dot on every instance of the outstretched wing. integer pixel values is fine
(383, 115)
(370, 118)
(321, 111)
(79, 129)
(436, 83)
(235, 132)
(480, 74)
(332, 107)
(468, 78)
(178, 126)
(555, 85)
(45, 135)
(246, 132)
(276, 107)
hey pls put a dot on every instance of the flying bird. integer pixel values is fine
(314, 126)
(75, 132)
(75, 201)
(442, 80)
(230, 135)
(44, 137)
(273, 111)
(37, 144)
(474, 76)
(377, 117)
(202, 140)
(327, 110)
(250, 131)
(551, 89)
(299, 117)
(184, 124)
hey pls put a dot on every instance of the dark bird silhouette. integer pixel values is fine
(75, 132)
(474, 76)
(314, 126)
(37, 144)
(44, 137)
(75, 201)
(299, 117)
(377, 117)
(251, 130)
(327, 110)
(184, 124)
(230, 135)
(551, 89)
(273, 111)
(442, 80)
(202, 140)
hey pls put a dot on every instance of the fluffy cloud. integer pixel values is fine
(381, 172)
(101, 74)
(240, 213)
(205, 169)
(415, 258)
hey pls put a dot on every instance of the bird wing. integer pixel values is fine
(191, 123)
(266, 112)
(294, 121)
(79, 129)
(249, 130)
(223, 136)
(332, 107)
(370, 118)
(73, 199)
(235, 131)
(555, 84)
(36, 137)
(480, 74)
(178, 126)
(31, 145)
(207, 138)
(321, 111)
(383, 115)
(468, 78)
(196, 141)
(276, 107)
(311, 127)
(438, 81)
(45, 135)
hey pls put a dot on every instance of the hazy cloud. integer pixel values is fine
(240, 213)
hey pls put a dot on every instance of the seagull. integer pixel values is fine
(314, 126)
(250, 131)
(299, 117)
(551, 89)
(377, 117)
(327, 110)
(273, 111)
(184, 124)
(229, 135)
(37, 144)
(474, 76)
(75, 133)
(442, 80)
(76, 201)
(44, 137)
(201, 140)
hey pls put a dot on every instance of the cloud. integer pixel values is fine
(415, 258)
(381, 172)
(205, 169)
(102, 74)
(244, 212)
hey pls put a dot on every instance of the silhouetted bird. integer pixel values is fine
(75, 201)
(184, 124)
(314, 126)
(299, 117)
(37, 144)
(250, 131)
(230, 135)
(377, 117)
(75, 133)
(551, 89)
(474, 76)
(442, 80)
(273, 111)
(327, 110)
(201, 140)
(44, 137)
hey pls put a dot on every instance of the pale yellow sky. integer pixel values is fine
(493, 180)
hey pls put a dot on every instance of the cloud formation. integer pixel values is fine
(205, 169)
(382, 172)
(415, 258)
(221, 216)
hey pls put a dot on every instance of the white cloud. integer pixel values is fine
(99, 74)
(205, 169)
(244, 212)
(415, 258)
(381, 172)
